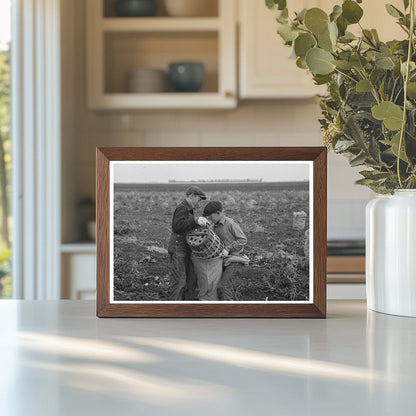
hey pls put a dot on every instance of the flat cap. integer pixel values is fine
(211, 207)
(196, 190)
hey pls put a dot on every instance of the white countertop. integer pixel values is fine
(57, 358)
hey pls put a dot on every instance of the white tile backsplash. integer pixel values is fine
(146, 120)
(208, 119)
(173, 138)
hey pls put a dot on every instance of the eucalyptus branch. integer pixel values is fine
(369, 40)
(404, 28)
(362, 60)
(406, 79)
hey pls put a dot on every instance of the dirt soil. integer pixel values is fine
(278, 270)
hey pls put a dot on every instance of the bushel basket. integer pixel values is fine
(204, 243)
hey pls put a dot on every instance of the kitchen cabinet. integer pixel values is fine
(265, 70)
(346, 277)
(78, 262)
(118, 45)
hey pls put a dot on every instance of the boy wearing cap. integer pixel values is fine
(183, 221)
(234, 241)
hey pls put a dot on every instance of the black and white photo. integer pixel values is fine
(211, 231)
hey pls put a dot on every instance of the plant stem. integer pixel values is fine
(392, 91)
(373, 88)
(346, 75)
(405, 81)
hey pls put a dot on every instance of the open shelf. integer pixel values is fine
(116, 46)
(209, 9)
(127, 51)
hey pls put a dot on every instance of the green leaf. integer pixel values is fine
(347, 37)
(368, 36)
(342, 25)
(393, 11)
(411, 90)
(359, 160)
(336, 12)
(358, 61)
(334, 92)
(345, 65)
(384, 62)
(375, 35)
(301, 15)
(276, 4)
(303, 43)
(382, 89)
(316, 20)
(365, 182)
(319, 61)
(362, 99)
(363, 86)
(321, 79)
(412, 67)
(325, 42)
(374, 174)
(282, 4)
(343, 145)
(406, 4)
(394, 145)
(301, 63)
(287, 33)
(333, 32)
(391, 114)
(351, 11)
(354, 132)
(374, 150)
(281, 19)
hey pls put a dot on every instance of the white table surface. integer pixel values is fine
(57, 358)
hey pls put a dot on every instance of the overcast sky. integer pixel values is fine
(143, 172)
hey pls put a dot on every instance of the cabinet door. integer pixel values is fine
(78, 276)
(266, 71)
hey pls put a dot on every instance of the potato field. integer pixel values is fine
(278, 269)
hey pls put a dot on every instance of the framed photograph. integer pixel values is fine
(211, 232)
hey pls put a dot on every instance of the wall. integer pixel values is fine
(253, 123)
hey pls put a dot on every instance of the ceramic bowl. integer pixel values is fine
(186, 76)
(135, 8)
(147, 80)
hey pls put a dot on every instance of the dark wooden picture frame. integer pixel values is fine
(316, 308)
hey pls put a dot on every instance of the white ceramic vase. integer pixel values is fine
(391, 253)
